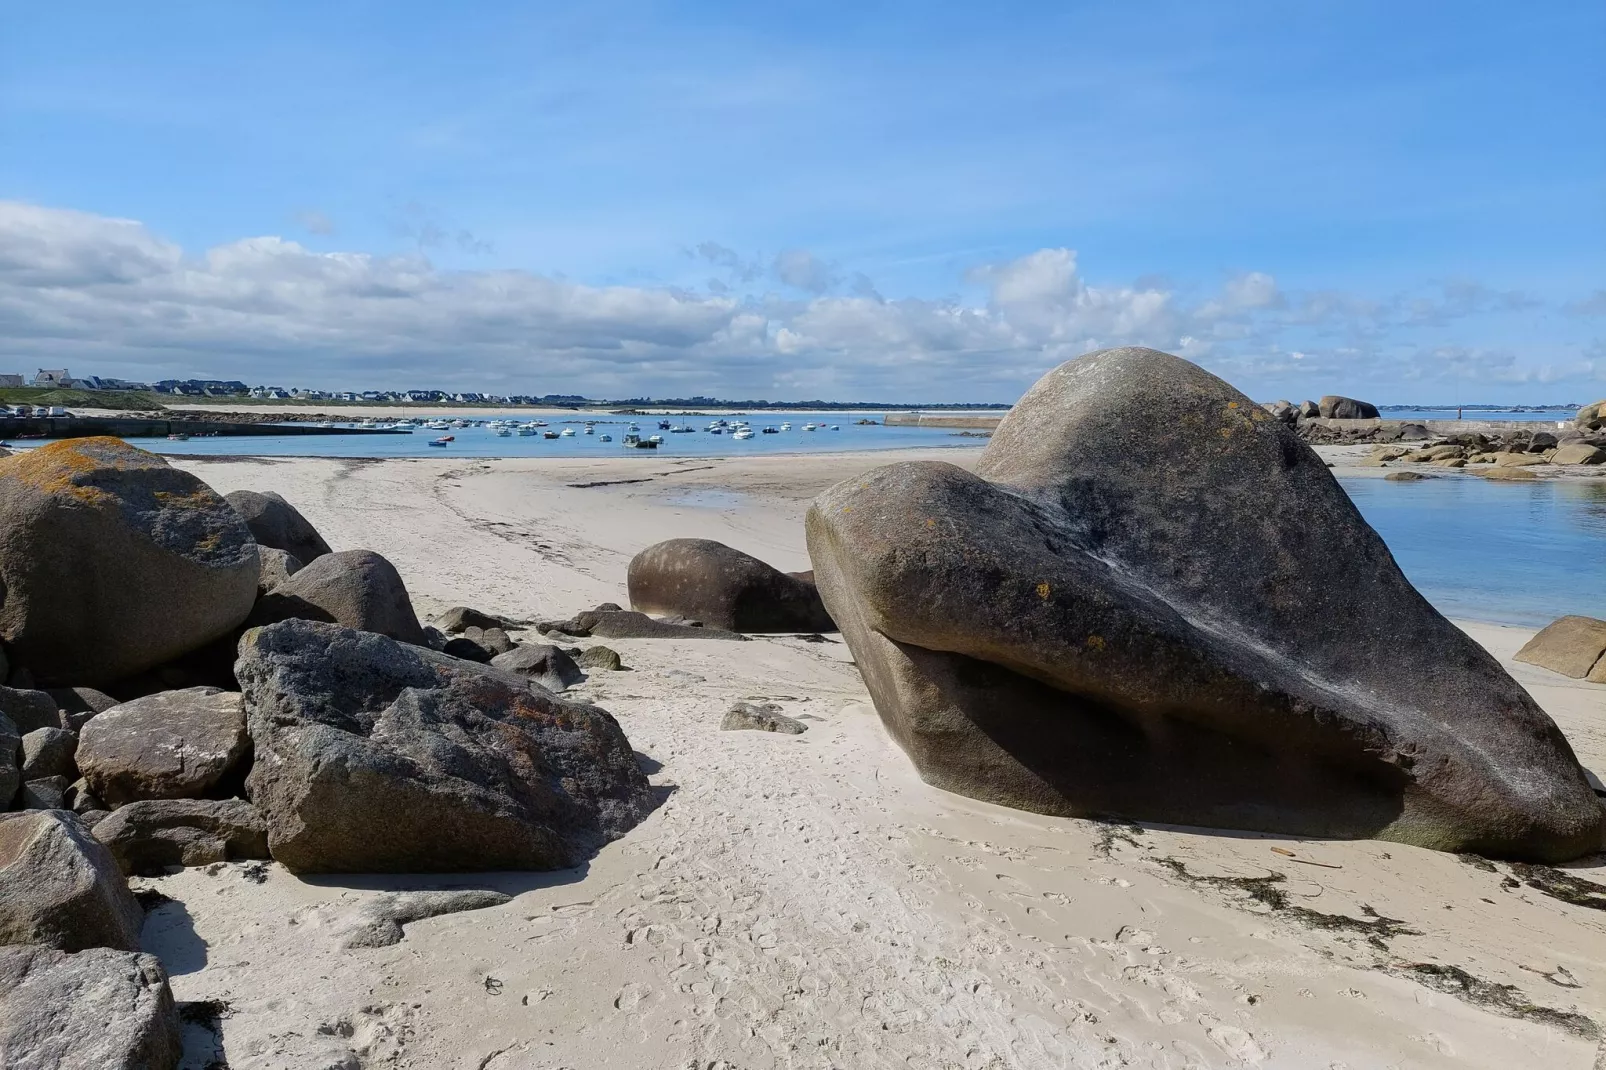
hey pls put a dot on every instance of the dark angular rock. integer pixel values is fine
(30, 710)
(493, 640)
(48, 752)
(354, 588)
(1106, 619)
(628, 624)
(372, 755)
(276, 523)
(81, 799)
(147, 837)
(459, 619)
(113, 562)
(468, 650)
(171, 745)
(46, 793)
(10, 760)
(98, 1009)
(1309, 409)
(59, 887)
(543, 663)
(724, 588)
(80, 703)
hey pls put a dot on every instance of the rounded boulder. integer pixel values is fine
(113, 562)
(275, 522)
(707, 581)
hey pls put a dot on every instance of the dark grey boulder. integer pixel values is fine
(276, 523)
(49, 752)
(354, 588)
(1105, 619)
(494, 640)
(1337, 407)
(761, 718)
(10, 760)
(1309, 409)
(373, 755)
(467, 649)
(723, 587)
(147, 837)
(45, 793)
(274, 567)
(379, 921)
(629, 624)
(30, 710)
(170, 745)
(81, 798)
(459, 619)
(59, 887)
(98, 1009)
(1284, 411)
(80, 703)
(113, 562)
(545, 664)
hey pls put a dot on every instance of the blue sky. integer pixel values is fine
(1405, 201)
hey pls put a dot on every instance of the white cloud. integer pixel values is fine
(107, 295)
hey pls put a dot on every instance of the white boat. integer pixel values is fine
(526, 432)
(808, 427)
(836, 427)
(743, 434)
(502, 432)
(568, 432)
(786, 427)
(590, 430)
(656, 439)
(604, 438)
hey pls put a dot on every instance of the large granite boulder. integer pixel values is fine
(374, 755)
(544, 663)
(147, 837)
(1572, 646)
(1591, 417)
(98, 1009)
(170, 745)
(30, 710)
(703, 580)
(1337, 407)
(459, 619)
(113, 562)
(1105, 619)
(354, 588)
(60, 887)
(274, 567)
(275, 522)
(630, 624)
(48, 752)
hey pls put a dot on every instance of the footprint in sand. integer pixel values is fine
(1234, 1042)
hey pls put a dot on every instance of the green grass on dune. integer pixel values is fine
(84, 399)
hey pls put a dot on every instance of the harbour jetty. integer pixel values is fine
(24, 427)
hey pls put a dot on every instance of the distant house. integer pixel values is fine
(55, 377)
(11, 380)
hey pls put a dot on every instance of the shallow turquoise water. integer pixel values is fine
(1508, 552)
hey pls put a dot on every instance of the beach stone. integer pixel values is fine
(600, 657)
(29, 710)
(379, 921)
(628, 624)
(1591, 417)
(544, 663)
(98, 1009)
(459, 619)
(1338, 407)
(276, 523)
(376, 756)
(468, 650)
(1540, 441)
(763, 718)
(1309, 409)
(61, 888)
(10, 761)
(1284, 411)
(48, 752)
(724, 588)
(1406, 477)
(494, 640)
(274, 567)
(1578, 453)
(1519, 460)
(354, 588)
(80, 703)
(170, 745)
(81, 798)
(1571, 646)
(1450, 462)
(1104, 619)
(1507, 474)
(45, 793)
(147, 837)
(113, 562)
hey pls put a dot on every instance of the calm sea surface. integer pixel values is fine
(1513, 553)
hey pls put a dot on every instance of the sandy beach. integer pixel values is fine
(806, 901)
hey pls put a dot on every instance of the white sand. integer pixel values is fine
(807, 901)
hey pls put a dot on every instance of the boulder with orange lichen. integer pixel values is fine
(112, 561)
(1106, 618)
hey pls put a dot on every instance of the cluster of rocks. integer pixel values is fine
(192, 679)
(1331, 407)
(1104, 619)
(1517, 448)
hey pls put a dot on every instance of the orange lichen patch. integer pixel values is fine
(1043, 591)
(1095, 642)
(1232, 404)
(65, 466)
(202, 497)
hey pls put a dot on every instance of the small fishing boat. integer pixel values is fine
(549, 434)
(590, 430)
(568, 432)
(656, 440)
(836, 427)
(604, 438)
(786, 427)
(716, 430)
(180, 437)
(743, 434)
(808, 427)
(633, 427)
(637, 442)
(442, 441)
(526, 432)
(771, 431)
(502, 432)
(663, 425)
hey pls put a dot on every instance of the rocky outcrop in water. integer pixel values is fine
(1104, 618)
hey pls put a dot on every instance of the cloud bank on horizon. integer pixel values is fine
(918, 205)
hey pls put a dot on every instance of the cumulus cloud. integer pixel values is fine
(110, 296)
